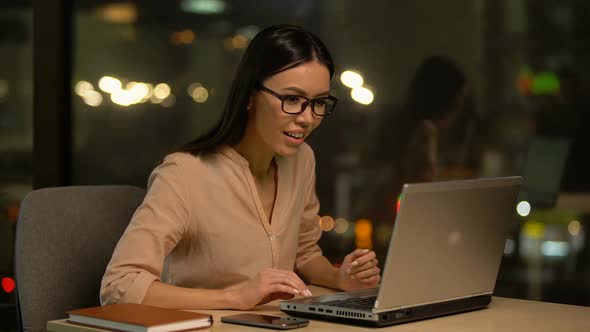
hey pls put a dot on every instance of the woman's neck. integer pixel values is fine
(260, 158)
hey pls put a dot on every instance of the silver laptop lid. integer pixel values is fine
(447, 241)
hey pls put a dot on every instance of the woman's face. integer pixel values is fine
(277, 131)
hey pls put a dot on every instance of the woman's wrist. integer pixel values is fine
(339, 280)
(335, 278)
(215, 299)
(231, 299)
(321, 272)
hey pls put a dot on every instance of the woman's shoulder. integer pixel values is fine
(178, 167)
(183, 162)
(181, 159)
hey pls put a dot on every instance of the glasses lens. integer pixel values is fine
(323, 106)
(292, 104)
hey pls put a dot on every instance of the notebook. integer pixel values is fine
(139, 318)
(443, 258)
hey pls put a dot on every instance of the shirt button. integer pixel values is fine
(271, 237)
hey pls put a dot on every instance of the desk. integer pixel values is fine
(503, 314)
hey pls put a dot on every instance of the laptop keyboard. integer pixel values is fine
(362, 303)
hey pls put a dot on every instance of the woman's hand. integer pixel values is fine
(269, 285)
(359, 271)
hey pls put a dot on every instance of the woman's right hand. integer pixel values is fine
(269, 285)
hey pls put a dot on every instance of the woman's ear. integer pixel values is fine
(250, 104)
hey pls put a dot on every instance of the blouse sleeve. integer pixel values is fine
(155, 229)
(309, 231)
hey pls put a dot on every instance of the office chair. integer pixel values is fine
(65, 237)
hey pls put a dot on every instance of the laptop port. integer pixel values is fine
(320, 310)
(329, 311)
(311, 308)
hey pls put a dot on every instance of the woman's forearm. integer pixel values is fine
(168, 296)
(319, 271)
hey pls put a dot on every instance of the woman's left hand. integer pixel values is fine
(359, 271)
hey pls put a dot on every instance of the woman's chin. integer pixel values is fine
(287, 151)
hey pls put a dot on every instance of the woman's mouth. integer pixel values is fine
(294, 135)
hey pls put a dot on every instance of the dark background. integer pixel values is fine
(53, 134)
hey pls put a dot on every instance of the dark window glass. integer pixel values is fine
(16, 139)
(448, 91)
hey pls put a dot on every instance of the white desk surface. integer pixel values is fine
(503, 314)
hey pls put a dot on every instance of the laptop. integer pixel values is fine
(443, 257)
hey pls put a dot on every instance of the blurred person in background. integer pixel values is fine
(408, 142)
(435, 97)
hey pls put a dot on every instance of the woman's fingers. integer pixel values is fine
(360, 260)
(276, 296)
(280, 288)
(362, 265)
(287, 278)
(366, 273)
(293, 279)
(269, 285)
(373, 280)
(355, 255)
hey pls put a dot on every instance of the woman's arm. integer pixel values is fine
(154, 231)
(319, 271)
(268, 285)
(358, 271)
(168, 296)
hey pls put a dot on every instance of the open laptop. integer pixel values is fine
(443, 257)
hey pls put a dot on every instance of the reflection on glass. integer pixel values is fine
(16, 138)
(167, 68)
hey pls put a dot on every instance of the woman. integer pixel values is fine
(230, 220)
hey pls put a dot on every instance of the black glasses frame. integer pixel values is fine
(308, 101)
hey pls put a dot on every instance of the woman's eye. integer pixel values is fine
(320, 103)
(292, 99)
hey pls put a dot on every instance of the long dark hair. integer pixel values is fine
(434, 88)
(431, 94)
(273, 50)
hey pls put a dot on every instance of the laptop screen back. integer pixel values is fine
(447, 241)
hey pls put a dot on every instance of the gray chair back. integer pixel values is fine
(65, 237)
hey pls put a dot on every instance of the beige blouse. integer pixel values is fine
(202, 225)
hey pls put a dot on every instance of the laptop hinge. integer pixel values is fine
(376, 311)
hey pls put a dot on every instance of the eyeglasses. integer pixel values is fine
(295, 104)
